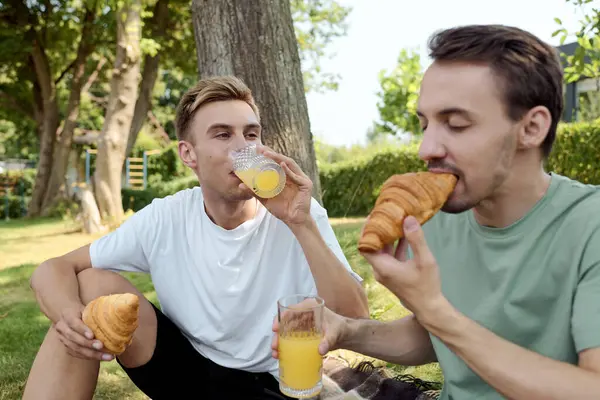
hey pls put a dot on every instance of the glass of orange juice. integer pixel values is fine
(300, 333)
(261, 174)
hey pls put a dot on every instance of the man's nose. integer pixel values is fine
(431, 147)
(240, 142)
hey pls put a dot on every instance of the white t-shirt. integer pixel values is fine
(220, 287)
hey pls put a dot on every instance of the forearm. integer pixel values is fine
(515, 372)
(56, 288)
(403, 342)
(341, 292)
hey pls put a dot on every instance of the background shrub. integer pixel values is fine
(576, 152)
(350, 188)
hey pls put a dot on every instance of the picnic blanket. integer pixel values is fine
(365, 381)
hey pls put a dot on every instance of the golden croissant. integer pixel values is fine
(113, 319)
(420, 194)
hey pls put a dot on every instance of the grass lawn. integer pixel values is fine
(24, 244)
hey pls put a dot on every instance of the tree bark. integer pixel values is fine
(255, 41)
(143, 104)
(61, 159)
(50, 125)
(119, 113)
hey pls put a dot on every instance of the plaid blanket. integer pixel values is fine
(365, 381)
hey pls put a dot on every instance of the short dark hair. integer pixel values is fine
(530, 70)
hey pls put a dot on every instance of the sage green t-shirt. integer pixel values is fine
(535, 283)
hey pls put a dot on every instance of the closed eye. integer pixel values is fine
(455, 128)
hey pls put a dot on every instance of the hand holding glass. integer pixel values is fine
(262, 175)
(300, 333)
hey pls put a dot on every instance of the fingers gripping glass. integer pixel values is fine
(300, 333)
(261, 174)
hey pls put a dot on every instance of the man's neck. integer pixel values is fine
(519, 193)
(229, 214)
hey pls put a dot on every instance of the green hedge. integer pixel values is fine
(16, 206)
(18, 195)
(138, 199)
(350, 188)
(576, 152)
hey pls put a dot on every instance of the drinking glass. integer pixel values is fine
(261, 174)
(300, 333)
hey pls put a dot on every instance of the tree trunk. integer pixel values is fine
(50, 125)
(119, 113)
(61, 159)
(255, 41)
(150, 72)
(92, 223)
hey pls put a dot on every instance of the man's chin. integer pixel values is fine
(241, 194)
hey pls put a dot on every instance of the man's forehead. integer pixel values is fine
(456, 86)
(233, 113)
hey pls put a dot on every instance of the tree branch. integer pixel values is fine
(71, 65)
(158, 126)
(93, 75)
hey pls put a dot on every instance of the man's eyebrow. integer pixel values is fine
(449, 111)
(253, 125)
(219, 125)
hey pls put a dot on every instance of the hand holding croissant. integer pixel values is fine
(420, 194)
(113, 319)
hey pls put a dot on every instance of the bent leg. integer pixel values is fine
(55, 374)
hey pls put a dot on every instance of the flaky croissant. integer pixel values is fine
(113, 319)
(420, 194)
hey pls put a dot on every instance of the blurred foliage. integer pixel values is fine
(398, 96)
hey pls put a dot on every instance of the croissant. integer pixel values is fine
(113, 319)
(420, 194)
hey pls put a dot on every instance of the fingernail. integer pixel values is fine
(97, 345)
(106, 357)
(89, 334)
(322, 349)
(410, 224)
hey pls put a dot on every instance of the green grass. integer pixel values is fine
(24, 244)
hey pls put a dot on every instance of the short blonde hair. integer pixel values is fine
(208, 90)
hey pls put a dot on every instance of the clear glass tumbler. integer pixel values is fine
(300, 333)
(261, 174)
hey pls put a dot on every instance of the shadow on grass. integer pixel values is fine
(66, 232)
(28, 222)
(22, 330)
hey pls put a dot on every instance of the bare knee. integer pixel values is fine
(94, 283)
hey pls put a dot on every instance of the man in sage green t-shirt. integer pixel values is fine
(504, 282)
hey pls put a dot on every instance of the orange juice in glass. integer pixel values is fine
(300, 333)
(261, 174)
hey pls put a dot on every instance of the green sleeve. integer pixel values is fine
(585, 324)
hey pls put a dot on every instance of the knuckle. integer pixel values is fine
(60, 326)
(428, 260)
(379, 276)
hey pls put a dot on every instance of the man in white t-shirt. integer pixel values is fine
(219, 259)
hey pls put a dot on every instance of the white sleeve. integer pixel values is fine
(127, 248)
(321, 218)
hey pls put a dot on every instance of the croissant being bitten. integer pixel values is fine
(420, 194)
(113, 319)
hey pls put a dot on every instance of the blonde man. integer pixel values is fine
(219, 259)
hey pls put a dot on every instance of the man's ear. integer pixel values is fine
(535, 126)
(187, 154)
